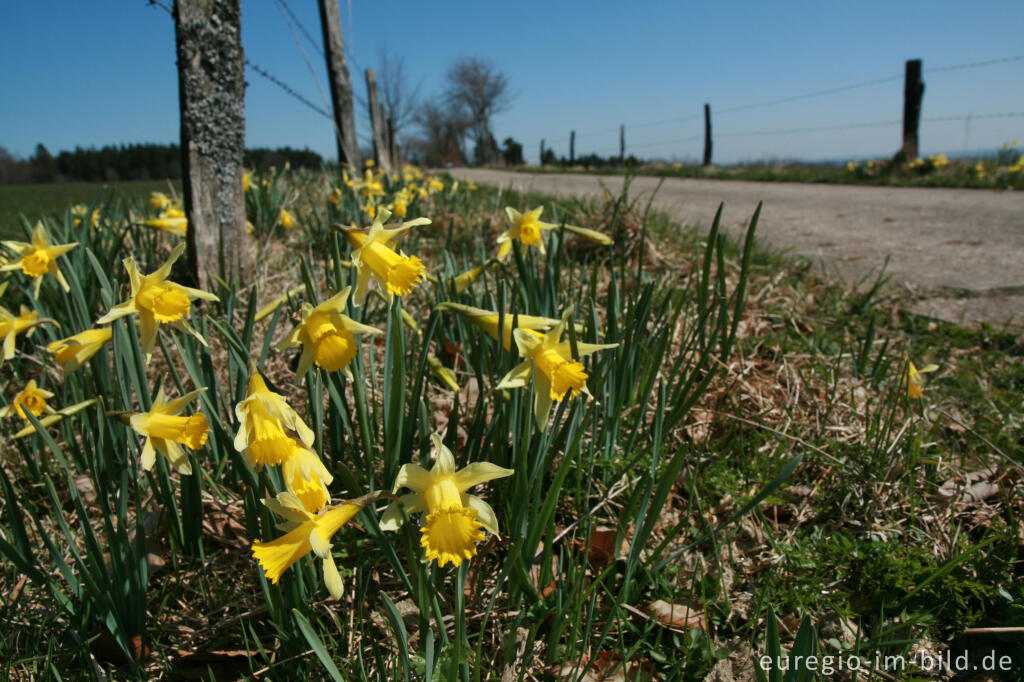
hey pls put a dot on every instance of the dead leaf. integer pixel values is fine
(602, 547)
(86, 489)
(197, 665)
(970, 489)
(682, 616)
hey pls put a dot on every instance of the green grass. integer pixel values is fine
(51, 200)
(749, 451)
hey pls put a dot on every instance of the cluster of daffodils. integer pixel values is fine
(171, 217)
(155, 299)
(34, 259)
(270, 433)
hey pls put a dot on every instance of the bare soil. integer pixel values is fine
(954, 254)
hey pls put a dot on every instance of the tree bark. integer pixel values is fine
(341, 85)
(211, 89)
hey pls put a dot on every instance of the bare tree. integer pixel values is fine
(477, 86)
(442, 127)
(400, 100)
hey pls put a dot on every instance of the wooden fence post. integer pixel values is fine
(707, 135)
(913, 93)
(622, 143)
(572, 147)
(541, 152)
(380, 144)
(211, 90)
(341, 85)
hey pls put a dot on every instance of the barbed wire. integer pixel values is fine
(284, 86)
(302, 29)
(260, 70)
(802, 96)
(971, 65)
(157, 3)
(818, 129)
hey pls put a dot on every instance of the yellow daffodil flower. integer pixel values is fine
(462, 281)
(370, 186)
(434, 185)
(590, 235)
(488, 321)
(246, 181)
(327, 336)
(74, 351)
(335, 197)
(285, 219)
(79, 211)
(263, 417)
(455, 520)
(395, 274)
(444, 374)
(38, 257)
(31, 398)
(166, 431)
(11, 326)
(171, 219)
(555, 372)
(306, 477)
(912, 379)
(411, 174)
(157, 301)
(159, 200)
(526, 227)
(308, 529)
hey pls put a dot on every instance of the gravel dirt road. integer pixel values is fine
(958, 254)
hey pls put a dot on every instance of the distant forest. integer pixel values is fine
(129, 162)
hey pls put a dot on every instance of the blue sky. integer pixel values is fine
(96, 73)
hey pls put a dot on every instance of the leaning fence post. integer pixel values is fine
(572, 147)
(707, 135)
(211, 90)
(341, 85)
(913, 93)
(541, 152)
(380, 145)
(622, 143)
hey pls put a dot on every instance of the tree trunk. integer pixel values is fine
(211, 89)
(341, 85)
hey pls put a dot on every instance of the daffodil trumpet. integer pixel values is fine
(374, 258)
(552, 364)
(307, 530)
(455, 520)
(327, 336)
(38, 257)
(157, 301)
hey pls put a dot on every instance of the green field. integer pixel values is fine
(35, 201)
